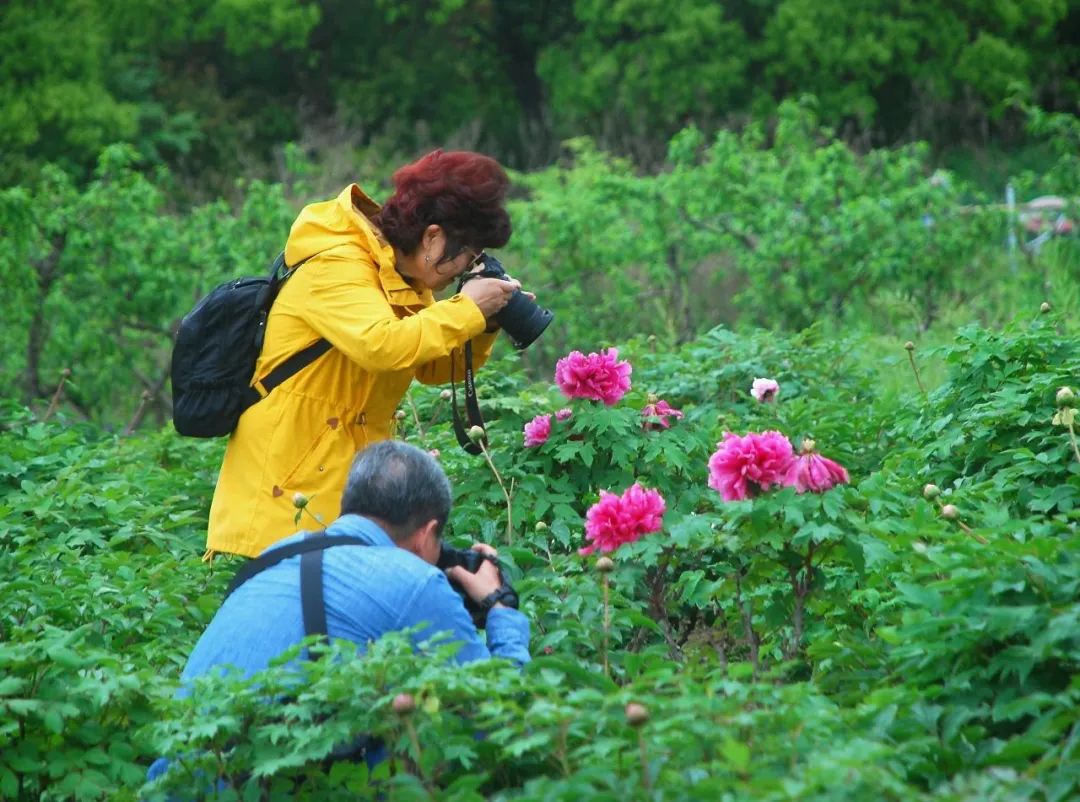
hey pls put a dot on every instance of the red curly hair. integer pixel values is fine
(461, 191)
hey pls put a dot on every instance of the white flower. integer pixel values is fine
(764, 390)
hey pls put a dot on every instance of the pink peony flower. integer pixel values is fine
(742, 466)
(811, 471)
(537, 431)
(657, 415)
(563, 414)
(764, 390)
(600, 377)
(615, 520)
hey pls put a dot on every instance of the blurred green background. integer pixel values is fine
(677, 164)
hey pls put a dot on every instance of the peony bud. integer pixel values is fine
(1065, 395)
(403, 704)
(636, 714)
(1045, 307)
(605, 565)
(541, 526)
(446, 395)
(476, 433)
(931, 491)
(399, 415)
(909, 346)
(299, 500)
(950, 512)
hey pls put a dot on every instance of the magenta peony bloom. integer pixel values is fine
(537, 431)
(615, 520)
(563, 414)
(742, 466)
(764, 390)
(657, 415)
(811, 471)
(599, 377)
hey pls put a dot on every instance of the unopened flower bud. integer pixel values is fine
(931, 491)
(1045, 307)
(403, 704)
(950, 512)
(1065, 395)
(399, 415)
(605, 565)
(446, 395)
(476, 433)
(435, 453)
(65, 372)
(636, 714)
(909, 346)
(299, 500)
(541, 526)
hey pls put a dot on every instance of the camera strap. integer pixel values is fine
(472, 408)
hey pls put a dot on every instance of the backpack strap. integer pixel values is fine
(286, 370)
(274, 556)
(312, 601)
(298, 361)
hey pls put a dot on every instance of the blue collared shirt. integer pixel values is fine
(369, 591)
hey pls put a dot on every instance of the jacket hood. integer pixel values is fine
(339, 224)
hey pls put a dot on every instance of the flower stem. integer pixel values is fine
(1072, 439)
(967, 530)
(506, 495)
(915, 369)
(56, 395)
(644, 762)
(607, 622)
(416, 415)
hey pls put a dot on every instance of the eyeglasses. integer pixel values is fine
(475, 262)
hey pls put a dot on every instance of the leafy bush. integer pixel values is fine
(873, 639)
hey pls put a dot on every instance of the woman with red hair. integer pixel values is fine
(366, 287)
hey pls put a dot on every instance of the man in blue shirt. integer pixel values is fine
(396, 501)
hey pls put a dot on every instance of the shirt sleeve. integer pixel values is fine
(350, 309)
(438, 608)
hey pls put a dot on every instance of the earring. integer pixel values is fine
(427, 258)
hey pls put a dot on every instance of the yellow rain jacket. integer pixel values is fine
(302, 437)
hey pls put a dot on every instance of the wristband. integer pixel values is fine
(504, 595)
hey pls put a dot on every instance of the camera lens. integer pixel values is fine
(523, 320)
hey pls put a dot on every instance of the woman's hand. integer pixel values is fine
(490, 294)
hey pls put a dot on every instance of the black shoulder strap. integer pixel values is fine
(472, 408)
(298, 361)
(312, 602)
(287, 369)
(261, 563)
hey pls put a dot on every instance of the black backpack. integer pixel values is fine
(217, 345)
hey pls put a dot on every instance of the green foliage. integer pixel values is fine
(217, 84)
(97, 279)
(777, 643)
(778, 231)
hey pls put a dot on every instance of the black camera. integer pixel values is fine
(522, 319)
(470, 560)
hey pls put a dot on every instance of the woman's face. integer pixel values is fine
(425, 264)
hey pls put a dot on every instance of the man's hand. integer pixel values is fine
(484, 582)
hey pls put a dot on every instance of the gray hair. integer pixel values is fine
(399, 484)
